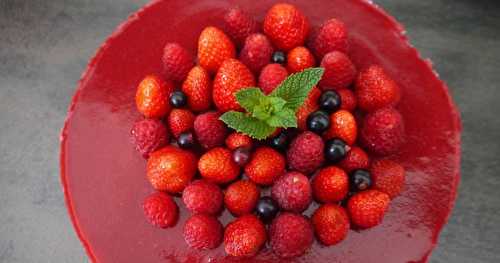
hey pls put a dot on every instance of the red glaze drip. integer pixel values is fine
(104, 178)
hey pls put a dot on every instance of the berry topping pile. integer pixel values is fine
(275, 124)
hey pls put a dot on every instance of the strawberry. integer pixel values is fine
(348, 99)
(148, 135)
(382, 131)
(286, 26)
(305, 153)
(388, 177)
(210, 131)
(340, 72)
(299, 59)
(375, 89)
(151, 97)
(367, 208)
(343, 126)
(330, 223)
(241, 197)
(231, 77)
(293, 192)
(239, 25)
(198, 89)
(203, 231)
(271, 76)
(330, 185)
(310, 105)
(256, 52)
(213, 48)
(176, 62)
(244, 236)
(236, 140)
(217, 165)
(331, 36)
(171, 169)
(161, 210)
(179, 121)
(356, 158)
(265, 166)
(203, 197)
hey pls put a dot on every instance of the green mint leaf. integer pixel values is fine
(250, 98)
(248, 125)
(296, 87)
(277, 102)
(284, 118)
(262, 112)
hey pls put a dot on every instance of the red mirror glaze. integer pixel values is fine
(104, 178)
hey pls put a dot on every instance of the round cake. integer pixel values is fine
(104, 178)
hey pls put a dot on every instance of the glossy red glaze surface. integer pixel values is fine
(104, 177)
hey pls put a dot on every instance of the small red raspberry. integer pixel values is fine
(176, 62)
(203, 231)
(290, 235)
(203, 197)
(382, 131)
(306, 152)
(271, 76)
(331, 36)
(340, 72)
(348, 99)
(239, 25)
(388, 177)
(161, 210)
(209, 130)
(356, 158)
(293, 192)
(256, 52)
(148, 136)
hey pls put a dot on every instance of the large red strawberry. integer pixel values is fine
(256, 52)
(299, 59)
(231, 77)
(330, 185)
(340, 72)
(332, 36)
(388, 177)
(179, 121)
(356, 158)
(286, 26)
(244, 236)
(348, 100)
(198, 89)
(176, 62)
(266, 166)
(271, 76)
(217, 166)
(239, 25)
(375, 89)
(171, 169)
(241, 197)
(213, 48)
(151, 97)
(331, 224)
(310, 105)
(367, 208)
(343, 126)
(236, 140)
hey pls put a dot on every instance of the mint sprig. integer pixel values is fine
(265, 113)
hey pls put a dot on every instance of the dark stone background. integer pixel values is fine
(45, 46)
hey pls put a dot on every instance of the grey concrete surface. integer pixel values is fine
(45, 45)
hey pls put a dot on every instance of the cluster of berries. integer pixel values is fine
(191, 152)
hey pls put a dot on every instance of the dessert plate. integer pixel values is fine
(104, 178)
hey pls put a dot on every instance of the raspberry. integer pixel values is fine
(244, 236)
(383, 131)
(290, 235)
(217, 166)
(367, 208)
(176, 62)
(256, 52)
(203, 197)
(306, 153)
(331, 224)
(161, 210)
(209, 130)
(239, 25)
(330, 185)
(265, 166)
(388, 177)
(148, 136)
(331, 36)
(271, 76)
(203, 232)
(293, 192)
(348, 99)
(375, 89)
(340, 72)
(241, 197)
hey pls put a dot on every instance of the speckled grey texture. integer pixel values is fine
(45, 46)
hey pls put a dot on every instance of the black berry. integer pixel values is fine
(318, 121)
(178, 99)
(335, 150)
(241, 155)
(329, 101)
(279, 57)
(266, 209)
(185, 140)
(279, 142)
(360, 180)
